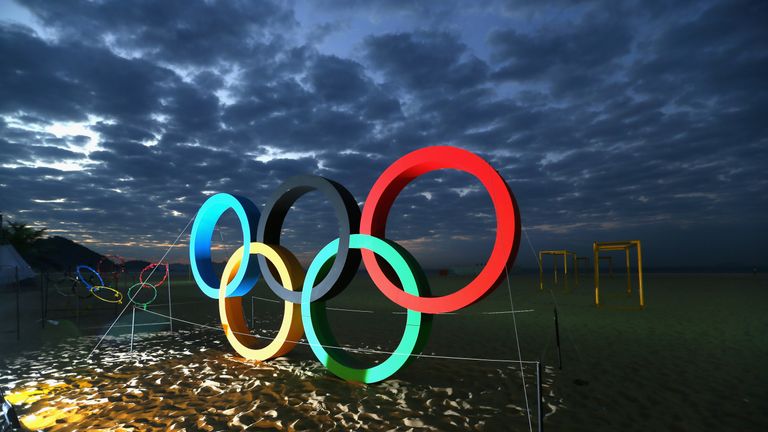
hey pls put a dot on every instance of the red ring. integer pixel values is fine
(150, 267)
(402, 172)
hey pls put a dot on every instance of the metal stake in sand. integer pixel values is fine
(133, 325)
(42, 301)
(170, 312)
(45, 303)
(519, 352)
(557, 340)
(539, 396)
(18, 309)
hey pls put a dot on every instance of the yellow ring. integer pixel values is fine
(118, 295)
(231, 308)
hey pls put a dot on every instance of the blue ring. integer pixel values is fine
(200, 245)
(82, 279)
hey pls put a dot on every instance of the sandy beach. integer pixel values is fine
(690, 361)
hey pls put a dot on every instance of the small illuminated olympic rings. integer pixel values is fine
(115, 296)
(361, 234)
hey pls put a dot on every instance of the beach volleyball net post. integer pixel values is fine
(555, 253)
(625, 246)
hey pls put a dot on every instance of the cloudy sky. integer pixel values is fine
(610, 120)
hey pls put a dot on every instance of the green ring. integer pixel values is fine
(142, 284)
(318, 331)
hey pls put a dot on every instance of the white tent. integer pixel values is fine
(10, 261)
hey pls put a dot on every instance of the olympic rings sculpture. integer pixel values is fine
(95, 289)
(361, 239)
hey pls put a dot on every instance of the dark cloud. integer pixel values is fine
(114, 131)
(28, 85)
(425, 61)
(338, 81)
(639, 119)
(585, 48)
(703, 60)
(67, 81)
(198, 33)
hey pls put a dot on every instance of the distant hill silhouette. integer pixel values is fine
(60, 254)
(135, 266)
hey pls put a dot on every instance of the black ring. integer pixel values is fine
(347, 212)
(64, 281)
(77, 282)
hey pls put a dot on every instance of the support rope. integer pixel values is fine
(554, 300)
(519, 352)
(350, 348)
(400, 312)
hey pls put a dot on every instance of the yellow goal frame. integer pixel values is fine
(554, 253)
(576, 266)
(625, 246)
